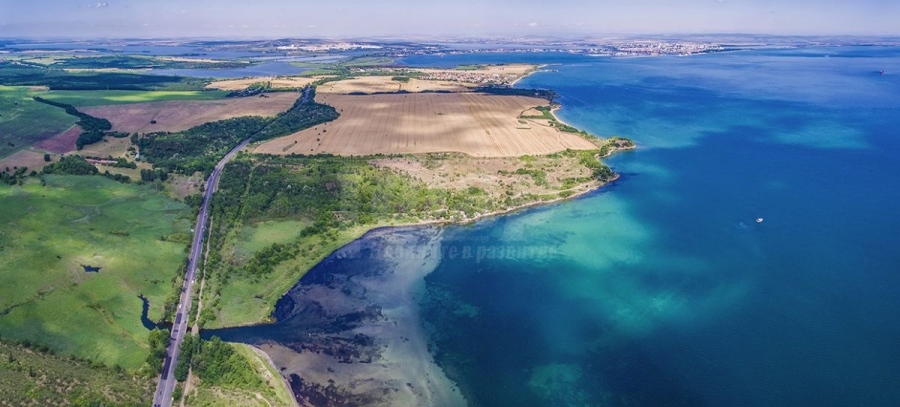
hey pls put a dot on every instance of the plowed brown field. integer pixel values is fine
(61, 143)
(385, 84)
(274, 82)
(32, 160)
(475, 124)
(182, 115)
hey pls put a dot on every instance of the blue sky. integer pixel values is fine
(352, 18)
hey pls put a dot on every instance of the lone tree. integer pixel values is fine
(47, 157)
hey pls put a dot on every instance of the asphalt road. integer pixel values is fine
(163, 395)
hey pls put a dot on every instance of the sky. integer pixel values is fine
(437, 19)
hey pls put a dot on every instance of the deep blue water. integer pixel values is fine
(661, 289)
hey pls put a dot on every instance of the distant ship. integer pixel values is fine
(759, 220)
(881, 72)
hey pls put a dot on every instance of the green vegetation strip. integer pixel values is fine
(34, 376)
(18, 73)
(84, 98)
(141, 62)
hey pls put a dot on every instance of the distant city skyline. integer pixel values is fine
(460, 18)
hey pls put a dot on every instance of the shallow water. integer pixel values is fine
(661, 289)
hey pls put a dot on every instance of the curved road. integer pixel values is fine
(163, 395)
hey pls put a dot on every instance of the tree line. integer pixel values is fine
(94, 128)
(200, 148)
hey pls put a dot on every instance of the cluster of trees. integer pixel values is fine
(159, 341)
(200, 147)
(549, 95)
(252, 90)
(94, 127)
(153, 175)
(264, 260)
(17, 73)
(216, 363)
(305, 113)
(185, 352)
(14, 176)
(71, 165)
(117, 162)
(117, 177)
(591, 160)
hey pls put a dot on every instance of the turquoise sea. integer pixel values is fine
(661, 289)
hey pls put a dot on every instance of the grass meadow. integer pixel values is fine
(33, 378)
(24, 121)
(50, 232)
(118, 97)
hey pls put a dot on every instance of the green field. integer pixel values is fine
(118, 97)
(24, 122)
(50, 232)
(254, 238)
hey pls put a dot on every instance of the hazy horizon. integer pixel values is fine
(459, 19)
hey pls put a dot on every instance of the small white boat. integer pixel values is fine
(759, 220)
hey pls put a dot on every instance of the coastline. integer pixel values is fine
(352, 333)
(268, 359)
(315, 379)
(409, 339)
(537, 68)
